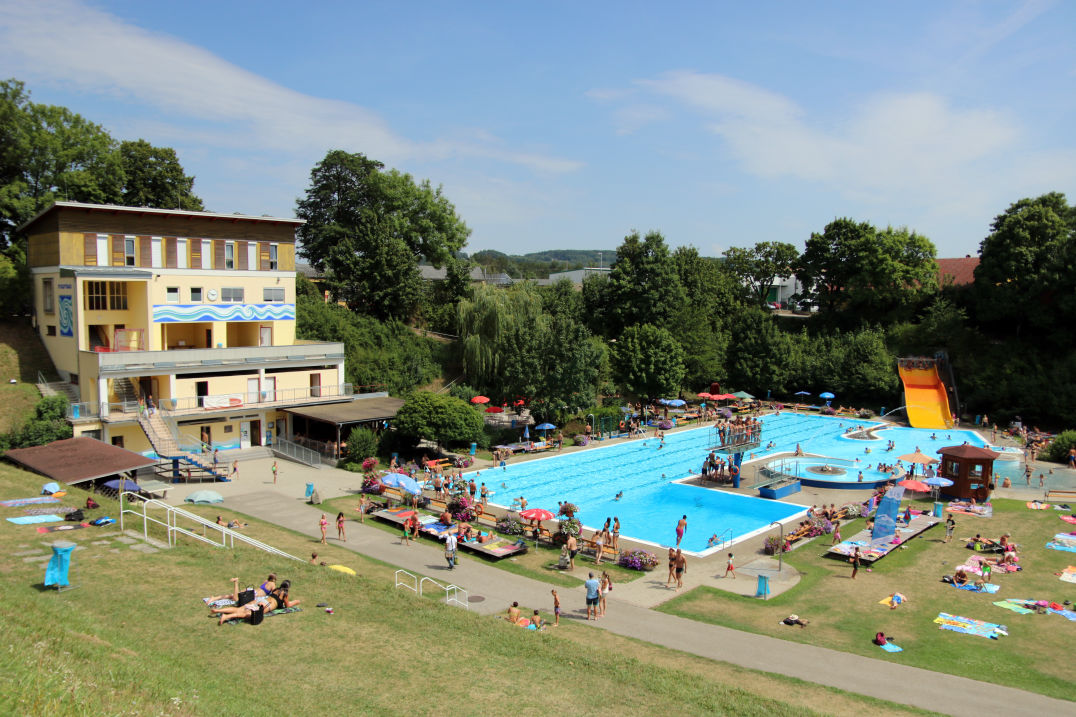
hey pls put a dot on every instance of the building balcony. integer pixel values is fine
(217, 404)
(112, 364)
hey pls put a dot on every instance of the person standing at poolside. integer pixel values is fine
(274, 472)
(680, 569)
(680, 528)
(556, 608)
(450, 550)
(950, 527)
(324, 525)
(340, 533)
(573, 549)
(730, 568)
(615, 544)
(593, 596)
(235, 470)
(855, 561)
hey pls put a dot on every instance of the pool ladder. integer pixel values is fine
(723, 539)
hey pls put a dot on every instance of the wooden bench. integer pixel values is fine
(586, 545)
(1066, 494)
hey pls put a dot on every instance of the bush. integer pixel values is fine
(1058, 450)
(638, 560)
(568, 526)
(362, 443)
(392, 441)
(462, 391)
(510, 525)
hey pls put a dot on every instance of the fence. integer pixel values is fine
(190, 404)
(296, 452)
(410, 581)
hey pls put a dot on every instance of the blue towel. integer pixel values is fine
(30, 519)
(987, 588)
(890, 647)
(1051, 546)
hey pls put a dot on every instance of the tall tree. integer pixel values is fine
(487, 324)
(855, 269)
(644, 286)
(759, 267)
(368, 229)
(443, 419)
(153, 177)
(1025, 275)
(648, 362)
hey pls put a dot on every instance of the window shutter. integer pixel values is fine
(89, 249)
(145, 252)
(263, 255)
(117, 250)
(218, 254)
(169, 252)
(196, 253)
(241, 255)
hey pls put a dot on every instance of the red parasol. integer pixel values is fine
(705, 395)
(494, 409)
(538, 514)
(917, 486)
(479, 399)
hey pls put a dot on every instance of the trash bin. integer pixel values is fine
(938, 506)
(75, 410)
(474, 447)
(309, 490)
(763, 589)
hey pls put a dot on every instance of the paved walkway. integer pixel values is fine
(497, 588)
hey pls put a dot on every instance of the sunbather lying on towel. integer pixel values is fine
(260, 591)
(276, 599)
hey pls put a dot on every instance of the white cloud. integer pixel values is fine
(67, 42)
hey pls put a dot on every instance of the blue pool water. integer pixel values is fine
(653, 503)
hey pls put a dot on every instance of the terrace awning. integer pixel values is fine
(75, 460)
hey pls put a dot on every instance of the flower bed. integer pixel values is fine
(510, 525)
(638, 560)
(372, 484)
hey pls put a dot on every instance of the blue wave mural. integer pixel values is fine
(176, 313)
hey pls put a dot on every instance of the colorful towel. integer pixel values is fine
(222, 602)
(1038, 505)
(16, 502)
(981, 510)
(1061, 541)
(1062, 506)
(1069, 574)
(31, 519)
(890, 647)
(987, 588)
(60, 528)
(1067, 614)
(53, 510)
(969, 626)
(1068, 518)
(1015, 607)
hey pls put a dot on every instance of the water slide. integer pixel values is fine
(925, 397)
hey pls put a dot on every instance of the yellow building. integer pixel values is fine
(192, 312)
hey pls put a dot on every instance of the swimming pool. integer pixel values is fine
(653, 501)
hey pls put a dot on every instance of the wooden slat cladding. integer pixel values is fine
(81, 220)
(196, 253)
(117, 249)
(145, 252)
(170, 261)
(263, 256)
(89, 249)
(241, 256)
(218, 254)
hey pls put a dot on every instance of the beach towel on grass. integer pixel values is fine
(987, 588)
(61, 528)
(969, 626)
(1067, 614)
(222, 602)
(1069, 574)
(16, 502)
(890, 647)
(1015, 607)
(1061, 541)
(52, 510)
(278, 611)
(31, 519)
(1068, 518)
(1038, 505)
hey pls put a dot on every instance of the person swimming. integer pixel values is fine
(619, 495)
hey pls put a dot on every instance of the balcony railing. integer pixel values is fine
(145, 362)
(258, 399)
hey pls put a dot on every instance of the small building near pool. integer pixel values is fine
(971, 469)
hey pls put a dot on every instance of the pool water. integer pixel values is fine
(653, 502)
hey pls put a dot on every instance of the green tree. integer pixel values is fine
(153, 177)
(853, 270)
(48, 424)
(648, 362)
(562, 300)
(1025, 276)
(493, 323)
(761, 356)
(644, 286)
(439, 418)
(759, 267)
(368, 229)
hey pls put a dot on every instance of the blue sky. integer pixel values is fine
(567, 125)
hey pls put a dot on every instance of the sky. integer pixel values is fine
(564, 125)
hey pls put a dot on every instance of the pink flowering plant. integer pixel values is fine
(372, 484)
(462, 508)
(638, 560)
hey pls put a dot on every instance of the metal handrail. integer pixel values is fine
(722, 541)
(302, 454)
(228, 536)
(186, 404)
(401, 582)
(452, 592)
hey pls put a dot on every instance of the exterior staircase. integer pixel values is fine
(166, 446)
(124, 390)
(58, 388)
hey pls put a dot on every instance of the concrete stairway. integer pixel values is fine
(165, 445)
(60, 388)
(124, 390)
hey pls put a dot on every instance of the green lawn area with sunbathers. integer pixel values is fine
(135, 638)
(845, 614)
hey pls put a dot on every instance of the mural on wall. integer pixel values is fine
(67, 315)
(174, 313)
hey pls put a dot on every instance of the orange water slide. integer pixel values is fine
(925, 398)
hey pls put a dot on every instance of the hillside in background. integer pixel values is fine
(540, 264)
(22, 355)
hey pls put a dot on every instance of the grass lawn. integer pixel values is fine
(538, 563)
(22, 355)
(845, 613)
(134, 638)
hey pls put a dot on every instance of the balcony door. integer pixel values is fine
(265, 335)
(252, 390)
(269, 388)
(315, 385)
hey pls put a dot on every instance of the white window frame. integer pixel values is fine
(181, 253)
(48, 296)
(269, 292)
(104, 252)
(232, 295)
(201, 294)
(171, 294)
(229, 255)
(252, 255)
(156, 257)
(207, 254)
(130, 258)
(274, 257)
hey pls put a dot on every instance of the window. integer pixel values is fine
(196, 293)
(232, 295)
(171, 294)
(181, 253)
(117, 295)
(273, 293)
(50, 330)
(96, 295)
(207, 254)
(229, 255)
(47, 297)
(102, 250)
(155, 253)
(272, 257)
(252, 255)
(129, 251)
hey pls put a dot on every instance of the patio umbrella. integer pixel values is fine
(916, 485)
(744, 395)
(826, 395)
(704, 394)
(124, 484)
(677, 402)
(918, 457)
(494, 409)
(938, 482)
(803, 393)
(204, 496)
(544, 427)
(538, 514)
(479, 399)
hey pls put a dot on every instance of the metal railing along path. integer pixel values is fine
(296, 452)
(228, 537)
(410, 581)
